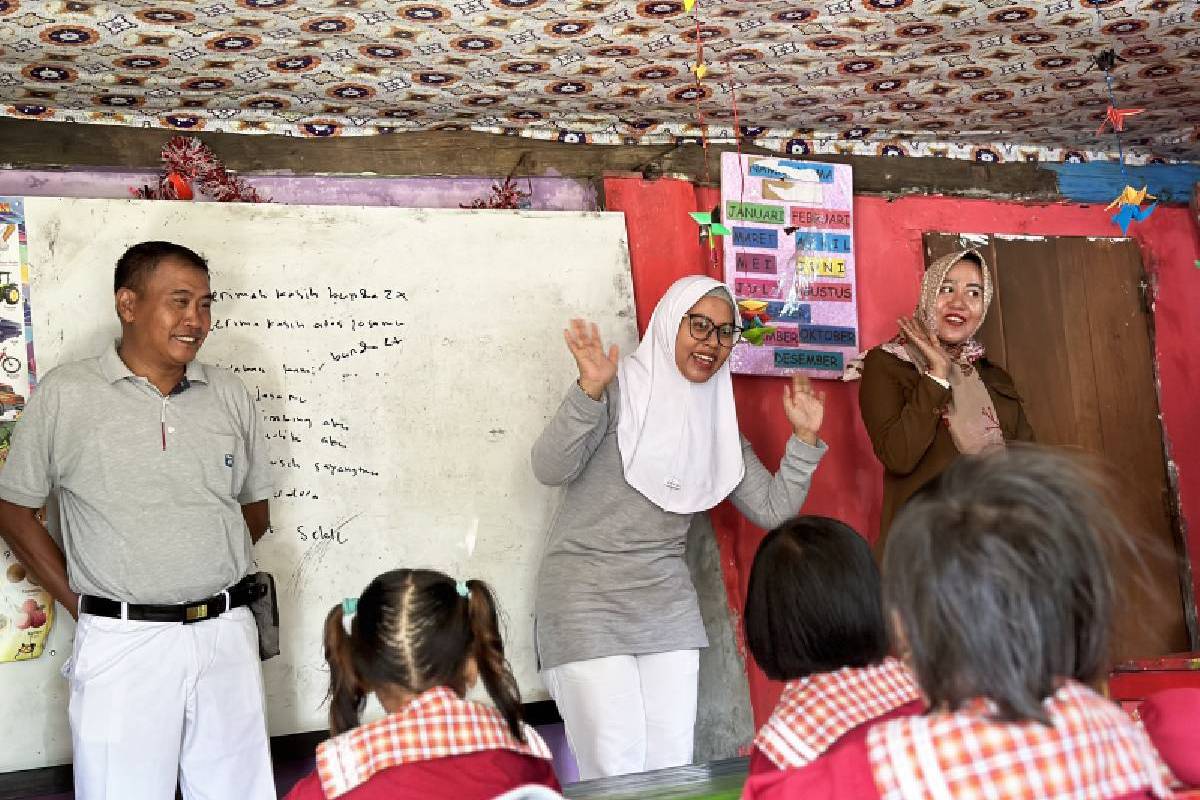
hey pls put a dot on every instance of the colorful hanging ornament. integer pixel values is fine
(754, 313)
(1131, 196)
(1116, 118)
(1130, 200)
(1129, 214)
(755, 316)
(708, 226)
(755, 336)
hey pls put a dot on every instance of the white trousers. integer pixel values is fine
(628, 714)
(156, 702)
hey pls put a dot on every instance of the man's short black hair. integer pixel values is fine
(1000, 575)
(814, 602)
(136, 263)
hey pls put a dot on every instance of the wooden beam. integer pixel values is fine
(33, 144)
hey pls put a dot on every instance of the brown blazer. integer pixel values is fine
(902, 410)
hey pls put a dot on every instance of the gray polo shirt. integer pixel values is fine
(149, 488)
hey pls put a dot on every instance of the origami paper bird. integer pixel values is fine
(755, 336)
(707, 227)
(1116, 116)
(701, 70)
(1130, 214)
(1130, 196)
(687, 5)
(753, 311)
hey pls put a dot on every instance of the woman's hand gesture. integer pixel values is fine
(929, 347)
(596, 368)
(805, 408)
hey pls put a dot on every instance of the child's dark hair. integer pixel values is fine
(414, 630)
(999, 573)
(136, 263)
(814, 601)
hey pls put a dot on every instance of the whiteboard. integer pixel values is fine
(404, 361)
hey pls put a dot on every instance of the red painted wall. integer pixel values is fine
(888, 237)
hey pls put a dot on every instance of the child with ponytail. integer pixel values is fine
(419, 640)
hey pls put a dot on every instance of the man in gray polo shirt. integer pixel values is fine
(161, 478)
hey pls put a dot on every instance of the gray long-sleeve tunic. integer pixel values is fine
(613, 580)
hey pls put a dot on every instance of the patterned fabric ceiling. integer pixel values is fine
(992, 80)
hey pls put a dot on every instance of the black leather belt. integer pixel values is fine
(240, 594)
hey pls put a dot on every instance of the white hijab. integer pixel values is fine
(679, 441)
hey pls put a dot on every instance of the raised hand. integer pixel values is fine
(596, 367)
(936, 355)
(804, 408)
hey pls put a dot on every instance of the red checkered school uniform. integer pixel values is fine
(1091, 751)
(818, 712)
(439, 745)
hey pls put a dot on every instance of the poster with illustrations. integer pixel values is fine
(26, 609)
(789, 260)
(16, 342)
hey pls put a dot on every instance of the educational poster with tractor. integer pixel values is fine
(16, 345)
(26, 609)
(789, 259)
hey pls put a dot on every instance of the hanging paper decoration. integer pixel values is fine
(753, 312)
(1116, 118)
(189, 164)
(1131, 196)
(755, 336)
(1130, 214)
(699, 70)
(1129, 200)
(708, 227)
(755, 317)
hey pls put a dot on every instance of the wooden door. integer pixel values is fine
(1070, 323)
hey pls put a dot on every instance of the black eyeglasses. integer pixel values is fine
(701, 328)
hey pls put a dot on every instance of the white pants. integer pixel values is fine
(157, 702)
(628, 714)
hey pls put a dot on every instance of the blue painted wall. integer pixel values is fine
(1101, 181)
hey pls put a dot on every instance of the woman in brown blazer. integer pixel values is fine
(929, 393)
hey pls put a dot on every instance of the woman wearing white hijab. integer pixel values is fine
(642, 444)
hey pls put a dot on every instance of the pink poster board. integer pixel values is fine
(789, 260)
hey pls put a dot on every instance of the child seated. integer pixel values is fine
(418, 640)
(814, 618)
(997, 584)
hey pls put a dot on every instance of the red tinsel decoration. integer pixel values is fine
(188, 162)
(505, 195)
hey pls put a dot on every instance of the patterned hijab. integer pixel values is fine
(965, 354)
(970, 414)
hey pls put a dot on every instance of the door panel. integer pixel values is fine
(1068, 323)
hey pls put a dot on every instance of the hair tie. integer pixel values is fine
(349, 609)
(462, 588)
